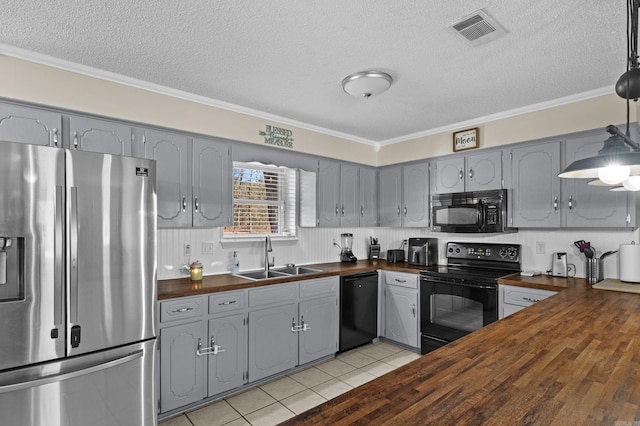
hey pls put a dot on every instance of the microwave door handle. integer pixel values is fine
(480, 215)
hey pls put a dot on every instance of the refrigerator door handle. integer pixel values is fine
(71, 374)
(58, 258)
(73, 249)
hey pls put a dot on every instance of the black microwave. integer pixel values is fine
(470, 212)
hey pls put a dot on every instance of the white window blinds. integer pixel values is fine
(264, 200)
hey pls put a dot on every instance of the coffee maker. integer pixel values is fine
(423, 251)
(346, 253)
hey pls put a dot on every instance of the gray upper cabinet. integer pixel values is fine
(404, 195)
(586, 205)
(329, 193)
(390, 199)
(471, 172)
(173, 165)
(30, 125)
(349, 195)
(415, 193)
(535, 196)
(107, 137)
(368, 197)
(212, 189)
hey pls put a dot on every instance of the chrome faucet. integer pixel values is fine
(267, 250)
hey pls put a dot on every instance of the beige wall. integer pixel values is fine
(32, 82)
(584, 115)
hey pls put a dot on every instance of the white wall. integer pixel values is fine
(315, 246)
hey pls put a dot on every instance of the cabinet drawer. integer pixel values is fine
(401, 279)
(522, 296)
(319, 287)
(271, 294)
(226, 301)
(177, 309)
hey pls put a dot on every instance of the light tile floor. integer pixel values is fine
(283, 398)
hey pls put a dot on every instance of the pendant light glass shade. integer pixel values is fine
(613, 175)
(632, 183)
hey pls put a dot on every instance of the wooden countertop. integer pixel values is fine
(571, 359)
(169, 289)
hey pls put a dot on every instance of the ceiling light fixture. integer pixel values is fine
(365, 84)
(619, 159)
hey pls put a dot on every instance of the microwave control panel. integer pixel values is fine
(497, 252)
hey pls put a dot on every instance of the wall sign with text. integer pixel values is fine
(277, 136)
(466, 139)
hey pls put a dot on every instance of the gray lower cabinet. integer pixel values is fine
(273, 346)
(321, 317)
(228, 360)
(182, 372)
(30, 125)
(401, 302)
(94, 135)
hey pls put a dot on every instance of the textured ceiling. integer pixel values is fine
(289, 57)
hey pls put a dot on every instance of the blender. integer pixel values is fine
(346, 255)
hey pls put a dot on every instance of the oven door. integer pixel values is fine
(457, 218)
(450, 310)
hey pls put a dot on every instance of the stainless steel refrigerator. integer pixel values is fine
(77, 288)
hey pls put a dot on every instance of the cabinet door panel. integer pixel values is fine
(390, 184)
(449, 175)
(536, 186)
(212, 198)
(587, 205)
(484, 171)
(273, 347)
(321, 315)
(89, 134)
(226, 369)
(173, 162)
(349, 195)
(181, 370)
(401, 315)
(30, 125)
(416, 195)
(329, 194)
(368, 197)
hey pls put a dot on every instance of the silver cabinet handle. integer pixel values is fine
(54, 136)
(529, 299)
(337, 210)
(184, 204)
(71, 374)
(361, 210)
(182, 310)
(405, 210)
(570, 202)
(305, 326)
(228, 302)
(413, 310)
(343, 210)
(470, 173)
(294, 327)
(399, 280)
(461, 174)
(196, 204)
(75, 140)
(555, 203)
(398, 210)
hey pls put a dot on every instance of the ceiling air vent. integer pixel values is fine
(479, 28)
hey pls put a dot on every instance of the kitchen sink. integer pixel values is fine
(285, 271)
(297, 270)
(262, 275)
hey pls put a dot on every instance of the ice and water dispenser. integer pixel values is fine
(11, 268)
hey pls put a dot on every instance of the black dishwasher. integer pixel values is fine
(358, 309)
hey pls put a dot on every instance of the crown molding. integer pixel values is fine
(62, 64)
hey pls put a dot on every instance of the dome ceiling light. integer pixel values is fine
(365, 84)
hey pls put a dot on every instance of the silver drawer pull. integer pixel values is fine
(400, 281)
(529, 299)
(228, 302)
(182, 310)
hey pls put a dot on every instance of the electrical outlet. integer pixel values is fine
(207, 248)
(540, 247)
(187, 249)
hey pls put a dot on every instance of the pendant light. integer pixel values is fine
(619, 159)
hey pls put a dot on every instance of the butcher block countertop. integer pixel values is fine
(571, 359)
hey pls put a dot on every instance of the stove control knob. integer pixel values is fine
(450, 249)
(503, 252)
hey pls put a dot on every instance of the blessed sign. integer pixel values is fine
(465, 139)
(277, 136)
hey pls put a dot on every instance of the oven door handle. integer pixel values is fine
(436, 281)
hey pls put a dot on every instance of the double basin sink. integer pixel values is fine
(285, 271)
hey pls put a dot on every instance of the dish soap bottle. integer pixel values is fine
(235, 263)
